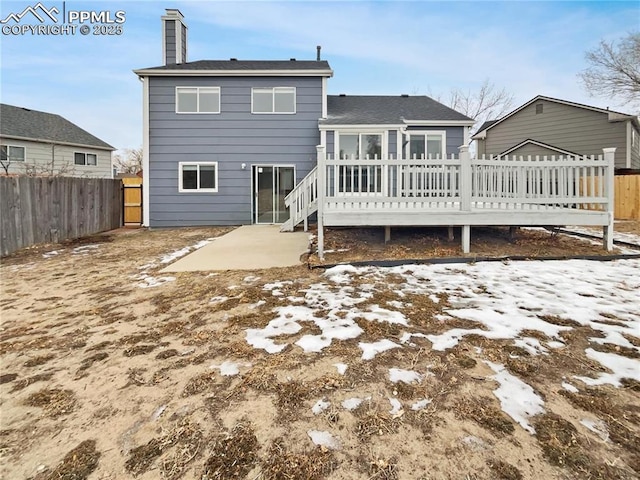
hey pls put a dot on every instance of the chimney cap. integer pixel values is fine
(232, 59)
(292, 59)
(343, 94)
(174, 13)
(405, 95)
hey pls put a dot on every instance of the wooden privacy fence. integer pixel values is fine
(51, 209)
(626, 192)
(132, 201)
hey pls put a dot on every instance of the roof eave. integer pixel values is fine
(233, 73)
(56, 142)
(439, 123)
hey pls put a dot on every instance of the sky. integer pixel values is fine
(381, 47)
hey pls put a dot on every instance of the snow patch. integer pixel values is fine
(407, 376)
(341, 367)
(320, 406)
(370, 350)
(517, 399)
(324, 439)
(569, 388)
(621, 367)
(598, 427)
(420, 404)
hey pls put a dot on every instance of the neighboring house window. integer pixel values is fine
(198, 99)
(428, 145)
(80, 158)
(198, 177)
(11, 153)
(360, 146)
(273, 100)
(539, 108)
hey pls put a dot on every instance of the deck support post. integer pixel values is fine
(450, 233)
(607, 230)
(322, 170)
(466, 183)
(387, 234)
(466, 238)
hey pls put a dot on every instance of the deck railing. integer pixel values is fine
(302, 201)
(384, 190)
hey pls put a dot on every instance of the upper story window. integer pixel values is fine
(12, 153)
(80, 158)
(198, 177)
(197, 99)
(427, 145)
(273, 100)
(360, 146)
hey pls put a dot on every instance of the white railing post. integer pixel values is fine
(609, 157)
(322, 171)
(465, 194)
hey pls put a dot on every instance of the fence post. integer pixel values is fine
(322, 170)
(609, 157)
(465, 194)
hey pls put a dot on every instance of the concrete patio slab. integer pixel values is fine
(249, 247)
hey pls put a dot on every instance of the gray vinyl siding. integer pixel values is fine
(231, 138)
(635, 149)
(579, 130)
(54, 159)
(183, 33)
(170, 41)
(393, 143)
(331, 142)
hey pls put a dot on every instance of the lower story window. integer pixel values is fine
(198, 177)
(80, 158)
(11, 153)
(428, 145)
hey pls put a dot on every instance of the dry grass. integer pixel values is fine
(503, 470)
(559, 441)
(482, 411)
(156, 346)
(284, 464)
(54, 401)
(78, 464)
(25, 382)
(232, 454)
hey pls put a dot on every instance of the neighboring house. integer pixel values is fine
(40, 143)
(549, 126)
(226, 141)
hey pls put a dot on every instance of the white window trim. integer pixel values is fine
(384, 138)
(85, 164)
(196, 190)
(442, 133)
(198, 100)
(273, 93)
(8, 145)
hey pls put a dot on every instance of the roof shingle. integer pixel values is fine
(36, 125)
(248, 65)
(386, 110)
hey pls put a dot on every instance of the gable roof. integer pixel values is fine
(235, 67)
(23, 123)
(531, 141)
(613, 115)
(486, 124)
(389, 110)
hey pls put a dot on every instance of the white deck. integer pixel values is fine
(456, 192)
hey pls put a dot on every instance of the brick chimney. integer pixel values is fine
(174, 37)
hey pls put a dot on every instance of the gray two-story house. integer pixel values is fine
(226, 140)
(551, 126)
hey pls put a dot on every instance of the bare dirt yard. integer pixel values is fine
(501, 370)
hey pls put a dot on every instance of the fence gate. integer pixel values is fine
(132, 201)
